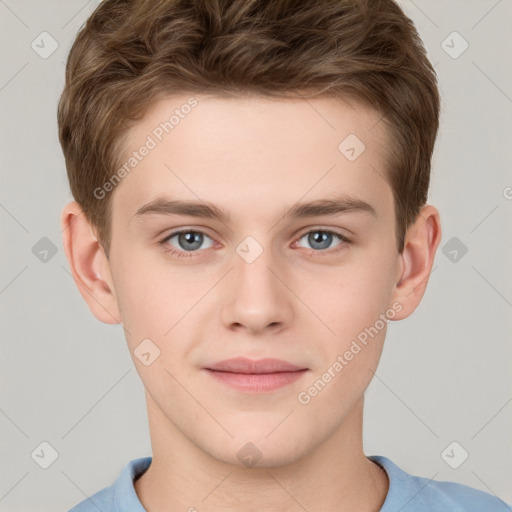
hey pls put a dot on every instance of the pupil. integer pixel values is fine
(192, 238)
(320, 237)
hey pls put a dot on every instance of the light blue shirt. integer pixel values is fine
(407, 493)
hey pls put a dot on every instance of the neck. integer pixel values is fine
(336, 476)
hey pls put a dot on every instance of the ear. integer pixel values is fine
(89, 265)
(415, 264)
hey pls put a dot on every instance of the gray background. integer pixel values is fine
(445, 374)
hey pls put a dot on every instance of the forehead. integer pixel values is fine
(254, 151)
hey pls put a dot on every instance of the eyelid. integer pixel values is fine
(187, 230)
(202, 231)
(309, 229)
(344, 240)
(317, 227)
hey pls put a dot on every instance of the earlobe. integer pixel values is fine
(86, 259)
(421, 243)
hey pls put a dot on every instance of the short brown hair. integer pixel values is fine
(131, 53)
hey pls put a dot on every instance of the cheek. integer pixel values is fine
(353, 297)
(356, 308)
(155, 308)
(354, 303)
(151, 301)
(161, 304)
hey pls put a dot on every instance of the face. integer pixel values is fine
(286, 250)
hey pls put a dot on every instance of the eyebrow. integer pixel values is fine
(335, 206)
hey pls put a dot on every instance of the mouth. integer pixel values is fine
(260, 376)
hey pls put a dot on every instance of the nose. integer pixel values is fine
(256, 297)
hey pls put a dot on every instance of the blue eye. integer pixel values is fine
(190, 241)
(321, 239)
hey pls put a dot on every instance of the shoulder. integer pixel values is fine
(103, 500)
(121, 495)
(410, 493)
(460, 498)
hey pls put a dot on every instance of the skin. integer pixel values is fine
(254, 158)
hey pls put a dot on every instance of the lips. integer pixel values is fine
(255, 377)
(248, 366)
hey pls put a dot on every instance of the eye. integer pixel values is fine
(186, 241)
(321, 239)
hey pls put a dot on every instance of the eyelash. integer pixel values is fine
(189, 254)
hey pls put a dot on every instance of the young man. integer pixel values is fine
(250, 181)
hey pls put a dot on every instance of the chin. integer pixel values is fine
(258, 451)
